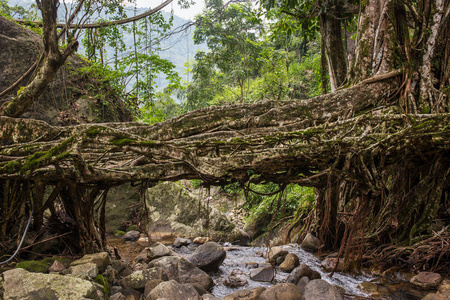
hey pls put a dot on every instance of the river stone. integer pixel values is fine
(117, 296)
(208, 257)
(56, 267)
(131, 236)
(101, 259)
(427, 280)
(138, 279)
(24, 285)
(329, 264)
(210, 297)
(235, 279)
(274, 253)
(301, 284)
(183, 271)
(252, 294)
(290, 263)
(173, 290)
(264, 274)
(282, 291)
(84, 271)
(310, 243)
(320, 289)
(179, 242)
(301, 271)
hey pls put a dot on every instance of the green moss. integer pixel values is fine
(50, 260)
(12, 166)
(34, 266)
(119, 233)
(102, 281)
(93, 131)
(237, 140)
(122, 140)
(132, 228)
(148, 143)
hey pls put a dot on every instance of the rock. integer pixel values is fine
(274, 253)
(150, 285)
(143, 241)
(101, 259)
(115, 289)
(301, 284)
(252, 294)
(84, 271)
(183, 271)
(426, 280)
(235, 279)
(320, 289)
(138, 279)
(34, 266)
(121, 208)
(368, 287)
(310, 243)
(208, 257)
(302, 271)
(117, 296)
(210, 297)
(290, 263)
(264, 274)
(131, 236)
(24, 285)
(179, 242)
(56, 267)
(158, 250)
(282, 291)
(200, 290)
(173, 290)
(131, 294)
(329, 264)
(444, 287)
(111, 274)
(251, 265)
(201, 239)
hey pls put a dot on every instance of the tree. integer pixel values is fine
(376, 151)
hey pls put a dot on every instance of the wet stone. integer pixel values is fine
(264, 274)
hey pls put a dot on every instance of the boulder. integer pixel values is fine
(252, 294)
(208, 257)
(157, 251)
(320, 289)
(274, 253)
(290, 263)
(310, 243)
(329, 264)
(302, 271)
(235, 279)
(46, 286)
(84, 271)
(210, 297)
(173, 290)
(117, 296)
(101, 259)
(201, 240)
(264, 274)
(179, 242)
(183, 271)
(137, 280)
(150, 285)
(427, 280)
(131, 236)
(173, 211)
(301, 284)
(282, 291)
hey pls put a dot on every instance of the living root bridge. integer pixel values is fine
(381, 176)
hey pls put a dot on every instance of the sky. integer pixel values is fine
(183, 13)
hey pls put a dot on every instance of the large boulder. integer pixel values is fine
(24, 285)
(173, 290)
(208, 256)
(320, 289)
(427, 280)
(101, 259)
(173, 211)
(282, 291)
(137, 280)
(290, 263)
(183, 271)
(252, 294)
(276, 254)
(66, 100)
(310, 243)
(302, 271)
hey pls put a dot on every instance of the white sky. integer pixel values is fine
(183, 13)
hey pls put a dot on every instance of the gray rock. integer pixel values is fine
(111, 274)
(210, 297)
(264, 274)
(138, 279)
(173, 290)
(302, 271)
(115, 289)
(310, 243)
(183, 271)
(426, 280)
(329, 264)
(274, 253)
(235, 279)
(302, 284)
(84, 271)
(56, 267)
(282, 291)
(179, 242)
(208, 257)
(320, 289)
(290, 263)
(46, 286)
(117, 296)
(150, 285)
(131, 236)
(158, 250)
(252, 294)
(101, 259)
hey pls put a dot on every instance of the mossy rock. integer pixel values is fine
(132, 228)
(34, 266)
(100, 279)
(119, 233)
